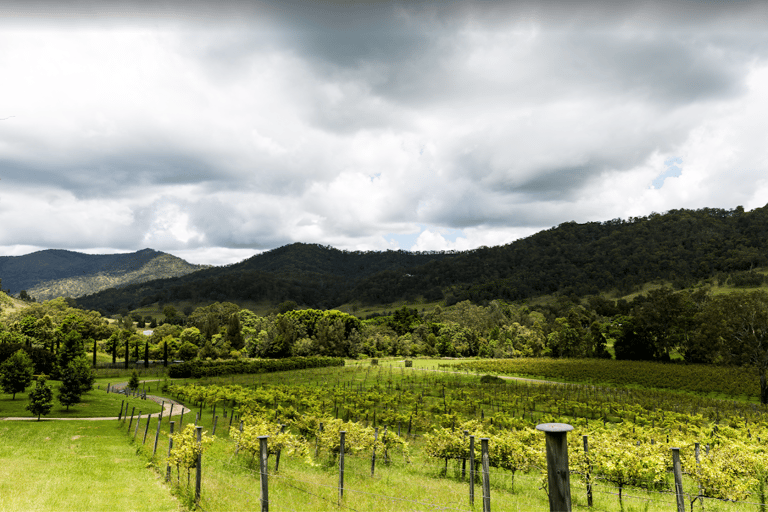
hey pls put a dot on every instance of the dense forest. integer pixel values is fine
(681, 246)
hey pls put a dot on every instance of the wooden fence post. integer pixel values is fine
(215, 421)
(320, 429)
(588, 476)
(168, 458)
(237, 445)
(373, 456)
(471, 470)
(146, 429)
(120, 416)
(342, 435)
(698, 472)
(486, 475)
(157, 434)
(277, 455)
(130, 422)
(263, 464)
(558, 475)
(138, 421)
(464, 459)
(198, 468)
(678, 472)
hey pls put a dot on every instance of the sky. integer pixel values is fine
(217, 130)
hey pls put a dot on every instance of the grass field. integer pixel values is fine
(73, 466)
(95, 403)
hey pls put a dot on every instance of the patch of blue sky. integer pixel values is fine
(407, 241)
(672, 171)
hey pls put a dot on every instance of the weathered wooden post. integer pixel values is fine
(342, 436)
(588, 476)
(130, 422)
(678, 472)
(181, 420)
(277, 455)
(168, 458)
(157, 434)
(317, 437)
(146, 430)
(471, 470)
(237, 445)
(373, 456)
(558, 475)
(215, 421)
(698, 471)
(263, 463)
(120, 416)
(464, 460)
(198, 468)
(486, 475)
(136, 431)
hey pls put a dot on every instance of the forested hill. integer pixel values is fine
(682, 246)
(53, 273)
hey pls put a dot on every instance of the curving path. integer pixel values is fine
(177, 409)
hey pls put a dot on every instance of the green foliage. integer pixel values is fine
(70, 390)
(133, 383)
(704, 379)
(212, 368)
(43, 360)
(16, 373)
(186, 448)
(491, 379)
(187, 351)
(40, 398)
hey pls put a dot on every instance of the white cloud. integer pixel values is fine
(274, 124)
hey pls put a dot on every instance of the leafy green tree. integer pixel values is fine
(191, 335)
(133, 383)
(16, 373)
(70, 390)
(40, 398)
(743, 324)
(187, 352)
(170, 312)
(234, 332)
(72, 348)
(84, 373)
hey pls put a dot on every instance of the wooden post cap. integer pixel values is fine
(554, 428)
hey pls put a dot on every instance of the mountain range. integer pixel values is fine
(682, 247)
(55, 273)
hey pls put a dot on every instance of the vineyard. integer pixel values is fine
(418, 424)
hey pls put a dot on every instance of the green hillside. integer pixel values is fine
(56, 273)
(162, 266)
(682, 247)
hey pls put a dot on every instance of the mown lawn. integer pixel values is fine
(75, 465)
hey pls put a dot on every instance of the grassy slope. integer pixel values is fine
(67, 466)
(95, 403)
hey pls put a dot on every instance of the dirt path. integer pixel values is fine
(177, 409)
